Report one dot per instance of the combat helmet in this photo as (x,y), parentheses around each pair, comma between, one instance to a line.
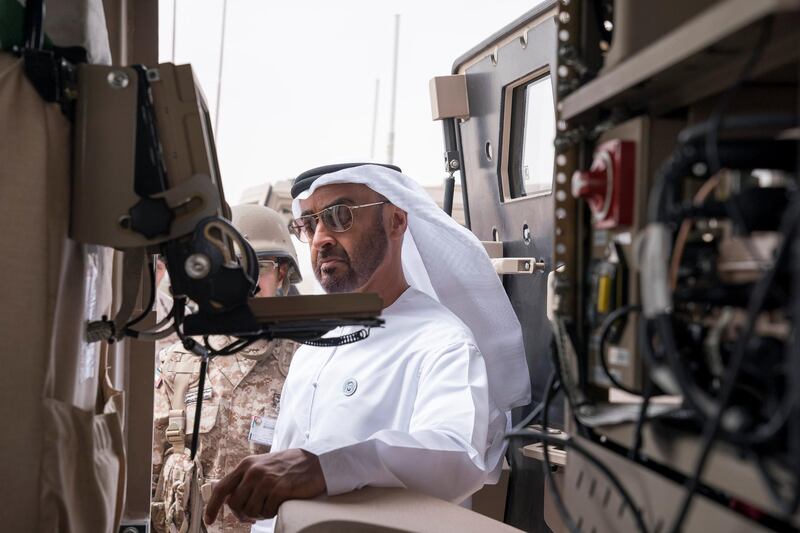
(268,234)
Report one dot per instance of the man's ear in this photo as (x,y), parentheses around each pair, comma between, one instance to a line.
(398,222)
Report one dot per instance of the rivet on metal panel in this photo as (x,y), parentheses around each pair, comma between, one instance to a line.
(699,169)
(561,160)
(197,266)
(564,17)
(563,36)
(493,56)
(563,71)
(153,75)
(489,151)
(526,234)
(118,79)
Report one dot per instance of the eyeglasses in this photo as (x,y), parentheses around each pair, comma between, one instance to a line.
(267,265)
(337,218)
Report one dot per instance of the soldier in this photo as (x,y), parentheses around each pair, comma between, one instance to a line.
(241,395)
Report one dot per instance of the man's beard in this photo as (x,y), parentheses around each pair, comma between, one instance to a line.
(351,274)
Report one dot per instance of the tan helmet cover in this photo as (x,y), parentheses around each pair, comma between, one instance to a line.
(268,234)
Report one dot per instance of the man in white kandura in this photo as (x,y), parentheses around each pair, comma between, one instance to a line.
(423,402)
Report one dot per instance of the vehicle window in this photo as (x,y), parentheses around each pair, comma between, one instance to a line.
(532,165)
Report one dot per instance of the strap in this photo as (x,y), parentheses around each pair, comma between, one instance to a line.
(176,430)
(132,266)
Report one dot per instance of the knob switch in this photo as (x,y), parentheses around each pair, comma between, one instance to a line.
(608,185)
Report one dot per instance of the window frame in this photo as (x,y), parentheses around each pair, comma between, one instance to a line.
(513,138)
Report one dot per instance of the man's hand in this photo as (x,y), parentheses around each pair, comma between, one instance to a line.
(261,483)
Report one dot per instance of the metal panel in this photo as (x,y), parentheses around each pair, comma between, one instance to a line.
(596,506)
(690,49)
(493,219)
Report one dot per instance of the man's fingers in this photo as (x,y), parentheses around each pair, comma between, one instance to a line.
(279,494)
(252,481)
(241,517)
(255,503)
(225,487)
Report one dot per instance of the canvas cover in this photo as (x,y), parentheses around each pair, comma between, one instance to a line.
(61,443)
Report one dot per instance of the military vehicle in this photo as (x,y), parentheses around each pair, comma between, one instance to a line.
(631,167)
(658,187)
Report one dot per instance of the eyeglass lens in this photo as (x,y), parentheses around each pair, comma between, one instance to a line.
(336,218)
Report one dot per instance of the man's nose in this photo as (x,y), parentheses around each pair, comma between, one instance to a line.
(322,236)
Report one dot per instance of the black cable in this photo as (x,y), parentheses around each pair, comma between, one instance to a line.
(134,333)
(536,411)
(589,456)
(547,467)
(201,385)
(534,414)
(647,395)
(151,299)
(773,487)
(34,24)
(328,342)
(788,228)
(232,348)
(793,364)
(546,439)
(191,345)
(600,338)
(738,122)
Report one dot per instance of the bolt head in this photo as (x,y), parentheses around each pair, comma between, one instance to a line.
(118,79)
(454,164)
(197,266)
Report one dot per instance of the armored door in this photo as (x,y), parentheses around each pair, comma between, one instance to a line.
(507,153)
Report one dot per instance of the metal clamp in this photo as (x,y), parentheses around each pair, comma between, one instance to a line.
(557,456)
(518,265)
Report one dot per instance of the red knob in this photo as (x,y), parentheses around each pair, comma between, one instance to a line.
(593,185)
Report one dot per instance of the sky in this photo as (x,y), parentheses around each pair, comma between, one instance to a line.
(298,81)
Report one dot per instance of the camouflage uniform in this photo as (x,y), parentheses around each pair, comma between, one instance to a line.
(239,390)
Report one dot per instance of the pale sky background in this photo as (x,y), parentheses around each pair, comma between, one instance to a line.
(298,82)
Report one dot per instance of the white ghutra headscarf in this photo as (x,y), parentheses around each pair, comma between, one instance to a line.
(446,261)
